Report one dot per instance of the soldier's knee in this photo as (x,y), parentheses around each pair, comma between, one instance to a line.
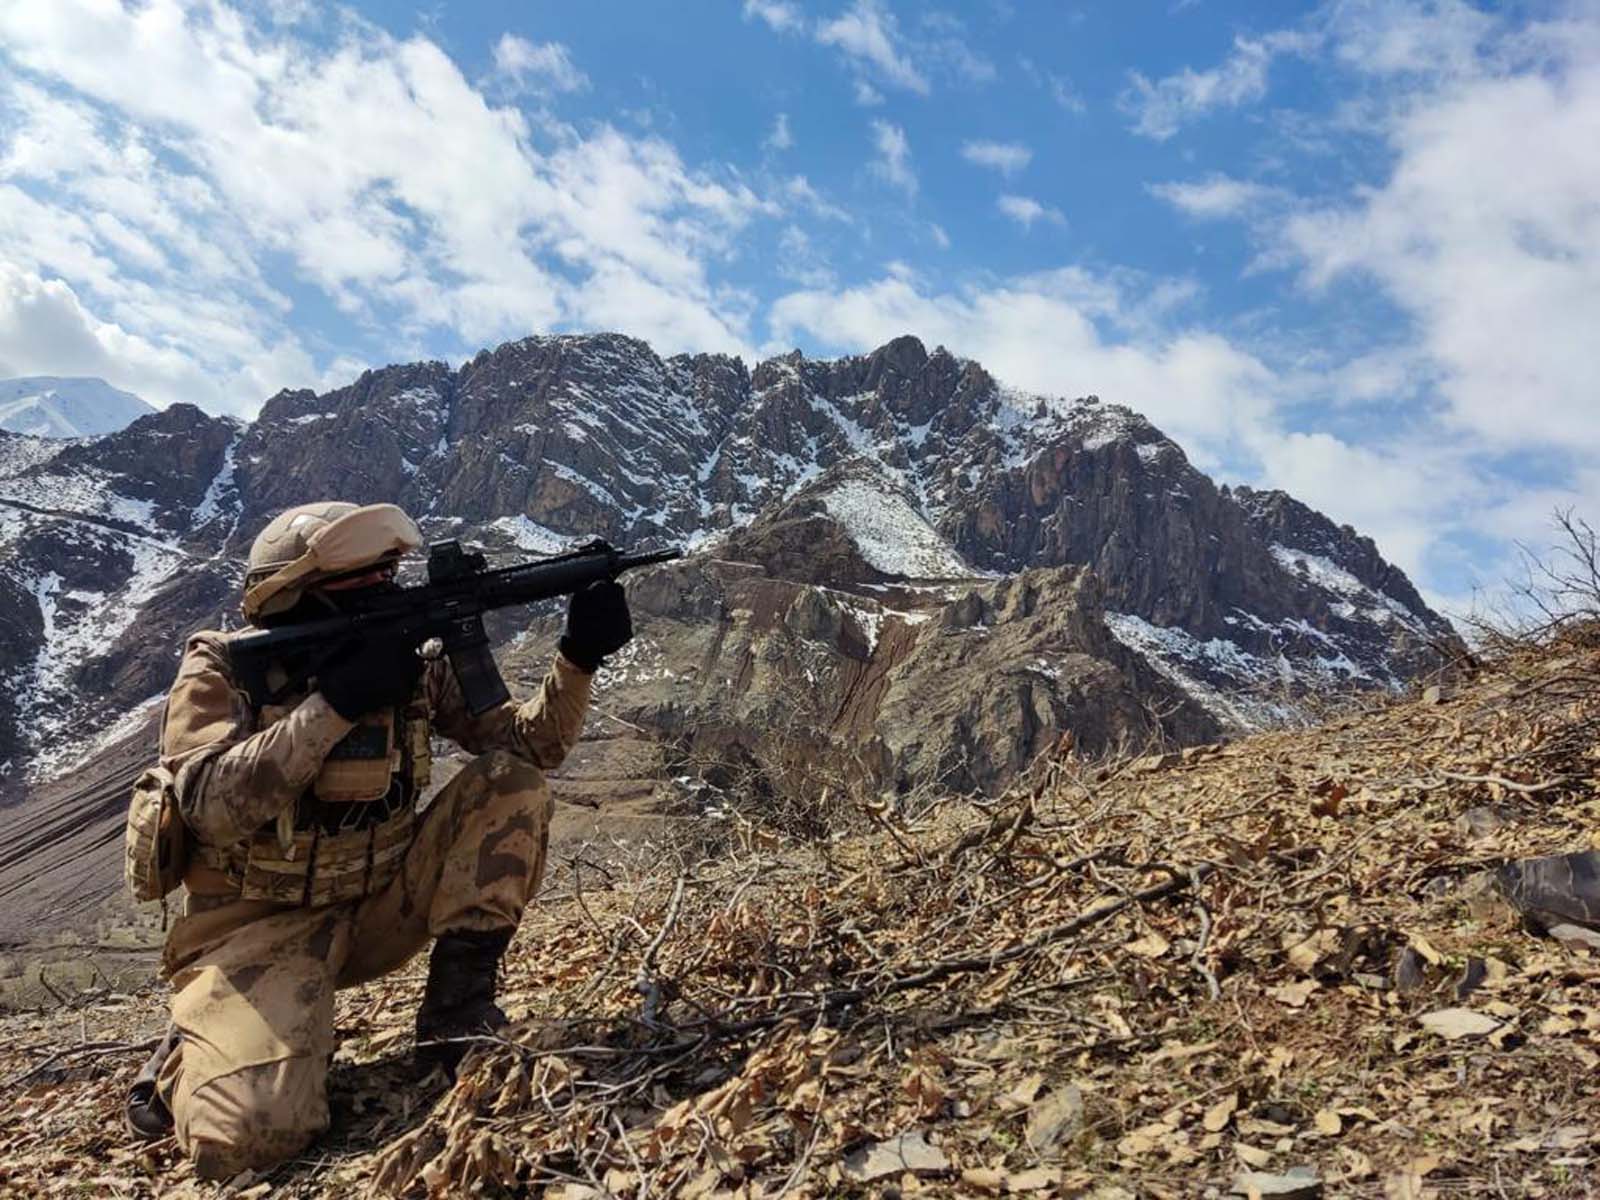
(506,774)
(253,1118)
(509,773)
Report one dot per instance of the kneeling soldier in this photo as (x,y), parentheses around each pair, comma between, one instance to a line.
(309,868)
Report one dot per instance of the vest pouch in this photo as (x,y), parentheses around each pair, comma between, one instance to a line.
(155,843)
(419,735)
(327,868)
(358,767)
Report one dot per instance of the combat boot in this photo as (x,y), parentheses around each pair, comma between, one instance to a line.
(459,999)
(145,1113)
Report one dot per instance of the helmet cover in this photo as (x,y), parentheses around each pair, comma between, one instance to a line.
(309,543)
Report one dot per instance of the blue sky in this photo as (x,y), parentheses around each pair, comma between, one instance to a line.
(1348,248)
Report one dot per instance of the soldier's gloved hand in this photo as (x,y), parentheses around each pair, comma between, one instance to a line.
(374,673)
(598,624)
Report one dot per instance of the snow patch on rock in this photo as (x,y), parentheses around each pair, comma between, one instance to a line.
(1329,576)
(892,536)
(1186,660)
(530,535)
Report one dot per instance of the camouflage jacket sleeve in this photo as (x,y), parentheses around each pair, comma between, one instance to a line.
(541,729)
(230,780)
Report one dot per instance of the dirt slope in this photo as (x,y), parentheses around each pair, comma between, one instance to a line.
(61,853)
(1123,979)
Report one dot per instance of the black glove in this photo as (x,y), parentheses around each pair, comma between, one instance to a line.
(372,674)
(598,624)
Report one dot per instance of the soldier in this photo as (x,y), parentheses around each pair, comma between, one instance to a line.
(309,868)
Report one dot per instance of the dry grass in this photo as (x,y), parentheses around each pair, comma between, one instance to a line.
(1131,978)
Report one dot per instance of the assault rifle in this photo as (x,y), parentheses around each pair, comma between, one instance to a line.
(449,607)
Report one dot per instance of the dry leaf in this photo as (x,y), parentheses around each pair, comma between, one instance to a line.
(1022,1095)
(1328,1122)
(1250,1156)
(924,1091)
(1294,994)
(907,1153)
(985,1179)
(1568,1137)
(1177,1051)
(1298,1183)
(1037,1180)
(1356,1164)
(1151,945)
(1053,1119)
(1305,953)
(1426,949)
(1454,1023)
(1219,1114)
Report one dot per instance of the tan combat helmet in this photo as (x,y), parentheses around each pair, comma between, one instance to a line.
(313,542)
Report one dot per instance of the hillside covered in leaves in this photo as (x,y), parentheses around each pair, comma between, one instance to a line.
(1287,966)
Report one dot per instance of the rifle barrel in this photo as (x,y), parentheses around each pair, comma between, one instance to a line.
(649,558)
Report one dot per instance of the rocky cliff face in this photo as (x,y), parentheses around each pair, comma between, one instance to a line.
(875,688)
(930,559)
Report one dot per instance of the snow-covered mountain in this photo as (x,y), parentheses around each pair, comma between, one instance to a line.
(901,487)
(52,407)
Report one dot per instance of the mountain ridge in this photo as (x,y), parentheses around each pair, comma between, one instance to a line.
(554,438)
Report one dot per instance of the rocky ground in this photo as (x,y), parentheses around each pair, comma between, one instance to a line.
(1279,965)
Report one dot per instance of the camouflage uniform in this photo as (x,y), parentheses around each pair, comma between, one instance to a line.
(254,978)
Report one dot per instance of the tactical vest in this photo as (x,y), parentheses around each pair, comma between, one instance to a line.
(346,836)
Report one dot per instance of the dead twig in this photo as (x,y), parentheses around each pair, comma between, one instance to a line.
(1511,785)
(645,983)
(87,1052)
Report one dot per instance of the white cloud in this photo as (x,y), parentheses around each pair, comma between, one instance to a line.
(866,95)
(1487,235)
(1025,210)
(1162,107)
(1403,492)
(1482,228)
(1059,87)
(1218,196)
(46,330)
(1006,157)
(957,57)
(1383,38)
(868,34)
(798,190)
(1065,95)
(800,261)
(941,239)
(780,16)
(537,66)
(184,172)
(893,164)
(780,138)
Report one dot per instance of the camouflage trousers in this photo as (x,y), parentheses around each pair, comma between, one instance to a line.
(254,982)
